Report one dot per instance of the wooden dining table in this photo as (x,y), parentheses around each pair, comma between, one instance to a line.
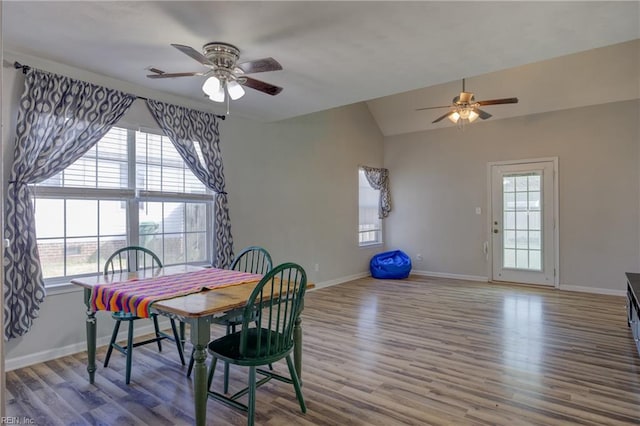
(197,309)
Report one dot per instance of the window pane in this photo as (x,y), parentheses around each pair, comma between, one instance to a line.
(509,220)
(196,219)
(197,247)
(104,165)
(51,257)
(508,184)
(82,218)
(535,261)
(521,183)
(113,217)
(173,217)
(522,220)
(509,201)
(161,168)
(509,258)
(81,256)
(534,220)
(174,249)
(509,239)
(534,200)
(534,183)
(49,217)
(534,240)
(522,259)
(521,201)
(522,240)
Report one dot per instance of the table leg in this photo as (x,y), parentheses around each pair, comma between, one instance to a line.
(91,336)
(200,335)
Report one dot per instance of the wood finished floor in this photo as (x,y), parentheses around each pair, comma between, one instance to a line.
(420,351)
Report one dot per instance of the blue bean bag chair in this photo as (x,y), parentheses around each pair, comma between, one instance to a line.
(390,265)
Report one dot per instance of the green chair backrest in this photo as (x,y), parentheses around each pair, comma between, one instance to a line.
(253,259)
(130,259)
(267,332)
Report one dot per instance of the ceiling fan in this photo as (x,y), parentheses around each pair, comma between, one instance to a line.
(464,108)
(225,75)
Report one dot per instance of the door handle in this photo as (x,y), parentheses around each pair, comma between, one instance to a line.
(495,231)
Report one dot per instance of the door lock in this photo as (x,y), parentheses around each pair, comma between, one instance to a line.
(495,231)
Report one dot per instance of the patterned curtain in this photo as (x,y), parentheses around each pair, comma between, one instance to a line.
(379,180)
(59,119)
(185,126)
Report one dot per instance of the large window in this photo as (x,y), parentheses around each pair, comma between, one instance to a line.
(131,188)
(369,224)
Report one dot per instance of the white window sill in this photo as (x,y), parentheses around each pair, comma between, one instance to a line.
(371,245)
(62,288)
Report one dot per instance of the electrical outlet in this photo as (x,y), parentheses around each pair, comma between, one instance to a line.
(316,267)
(419,257)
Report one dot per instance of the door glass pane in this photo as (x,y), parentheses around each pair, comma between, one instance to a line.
(534,259)
(509,258)
(509,220)
(522,206)
(522,259)
(509,239)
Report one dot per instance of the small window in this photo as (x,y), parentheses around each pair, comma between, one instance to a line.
(369,224)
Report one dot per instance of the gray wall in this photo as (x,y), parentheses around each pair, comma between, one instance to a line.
(439,177)
(293,188)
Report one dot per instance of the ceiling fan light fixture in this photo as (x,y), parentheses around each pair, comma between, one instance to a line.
(211,85)
(235,90)
(454,117)
(473,116)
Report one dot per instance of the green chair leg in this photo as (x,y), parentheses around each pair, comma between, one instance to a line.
(114,335)
(296,384)
(226,377)
(191,362)
(212,370)
(252,396)
(129,352)
(157,329)
(176,337)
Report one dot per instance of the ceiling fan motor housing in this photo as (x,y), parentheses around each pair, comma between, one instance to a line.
(223,55)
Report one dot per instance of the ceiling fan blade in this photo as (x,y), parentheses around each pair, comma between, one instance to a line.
(260,65)
(175,74)
(499,101)
(442,117)
(434,107)
(483,114)
(193,53)
(261,86)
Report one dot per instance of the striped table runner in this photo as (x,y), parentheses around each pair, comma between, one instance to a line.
(135,296)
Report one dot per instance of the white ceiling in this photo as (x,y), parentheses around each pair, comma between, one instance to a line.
(333,53)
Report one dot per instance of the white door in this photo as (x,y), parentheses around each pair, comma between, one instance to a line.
(523,222)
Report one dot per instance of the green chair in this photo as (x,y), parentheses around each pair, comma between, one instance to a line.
(266,335)
(129,259)
(255,260)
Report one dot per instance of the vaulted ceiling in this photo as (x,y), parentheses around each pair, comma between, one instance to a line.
(333,53)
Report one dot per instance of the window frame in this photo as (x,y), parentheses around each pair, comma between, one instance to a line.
(133,198)
(379,229)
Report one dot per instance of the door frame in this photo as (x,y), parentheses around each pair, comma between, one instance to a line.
(556,214)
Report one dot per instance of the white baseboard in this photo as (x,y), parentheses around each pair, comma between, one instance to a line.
(340,280)
(49,354)
(452,276)
(594,290)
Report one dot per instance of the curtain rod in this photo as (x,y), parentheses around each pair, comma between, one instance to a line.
(17,65)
